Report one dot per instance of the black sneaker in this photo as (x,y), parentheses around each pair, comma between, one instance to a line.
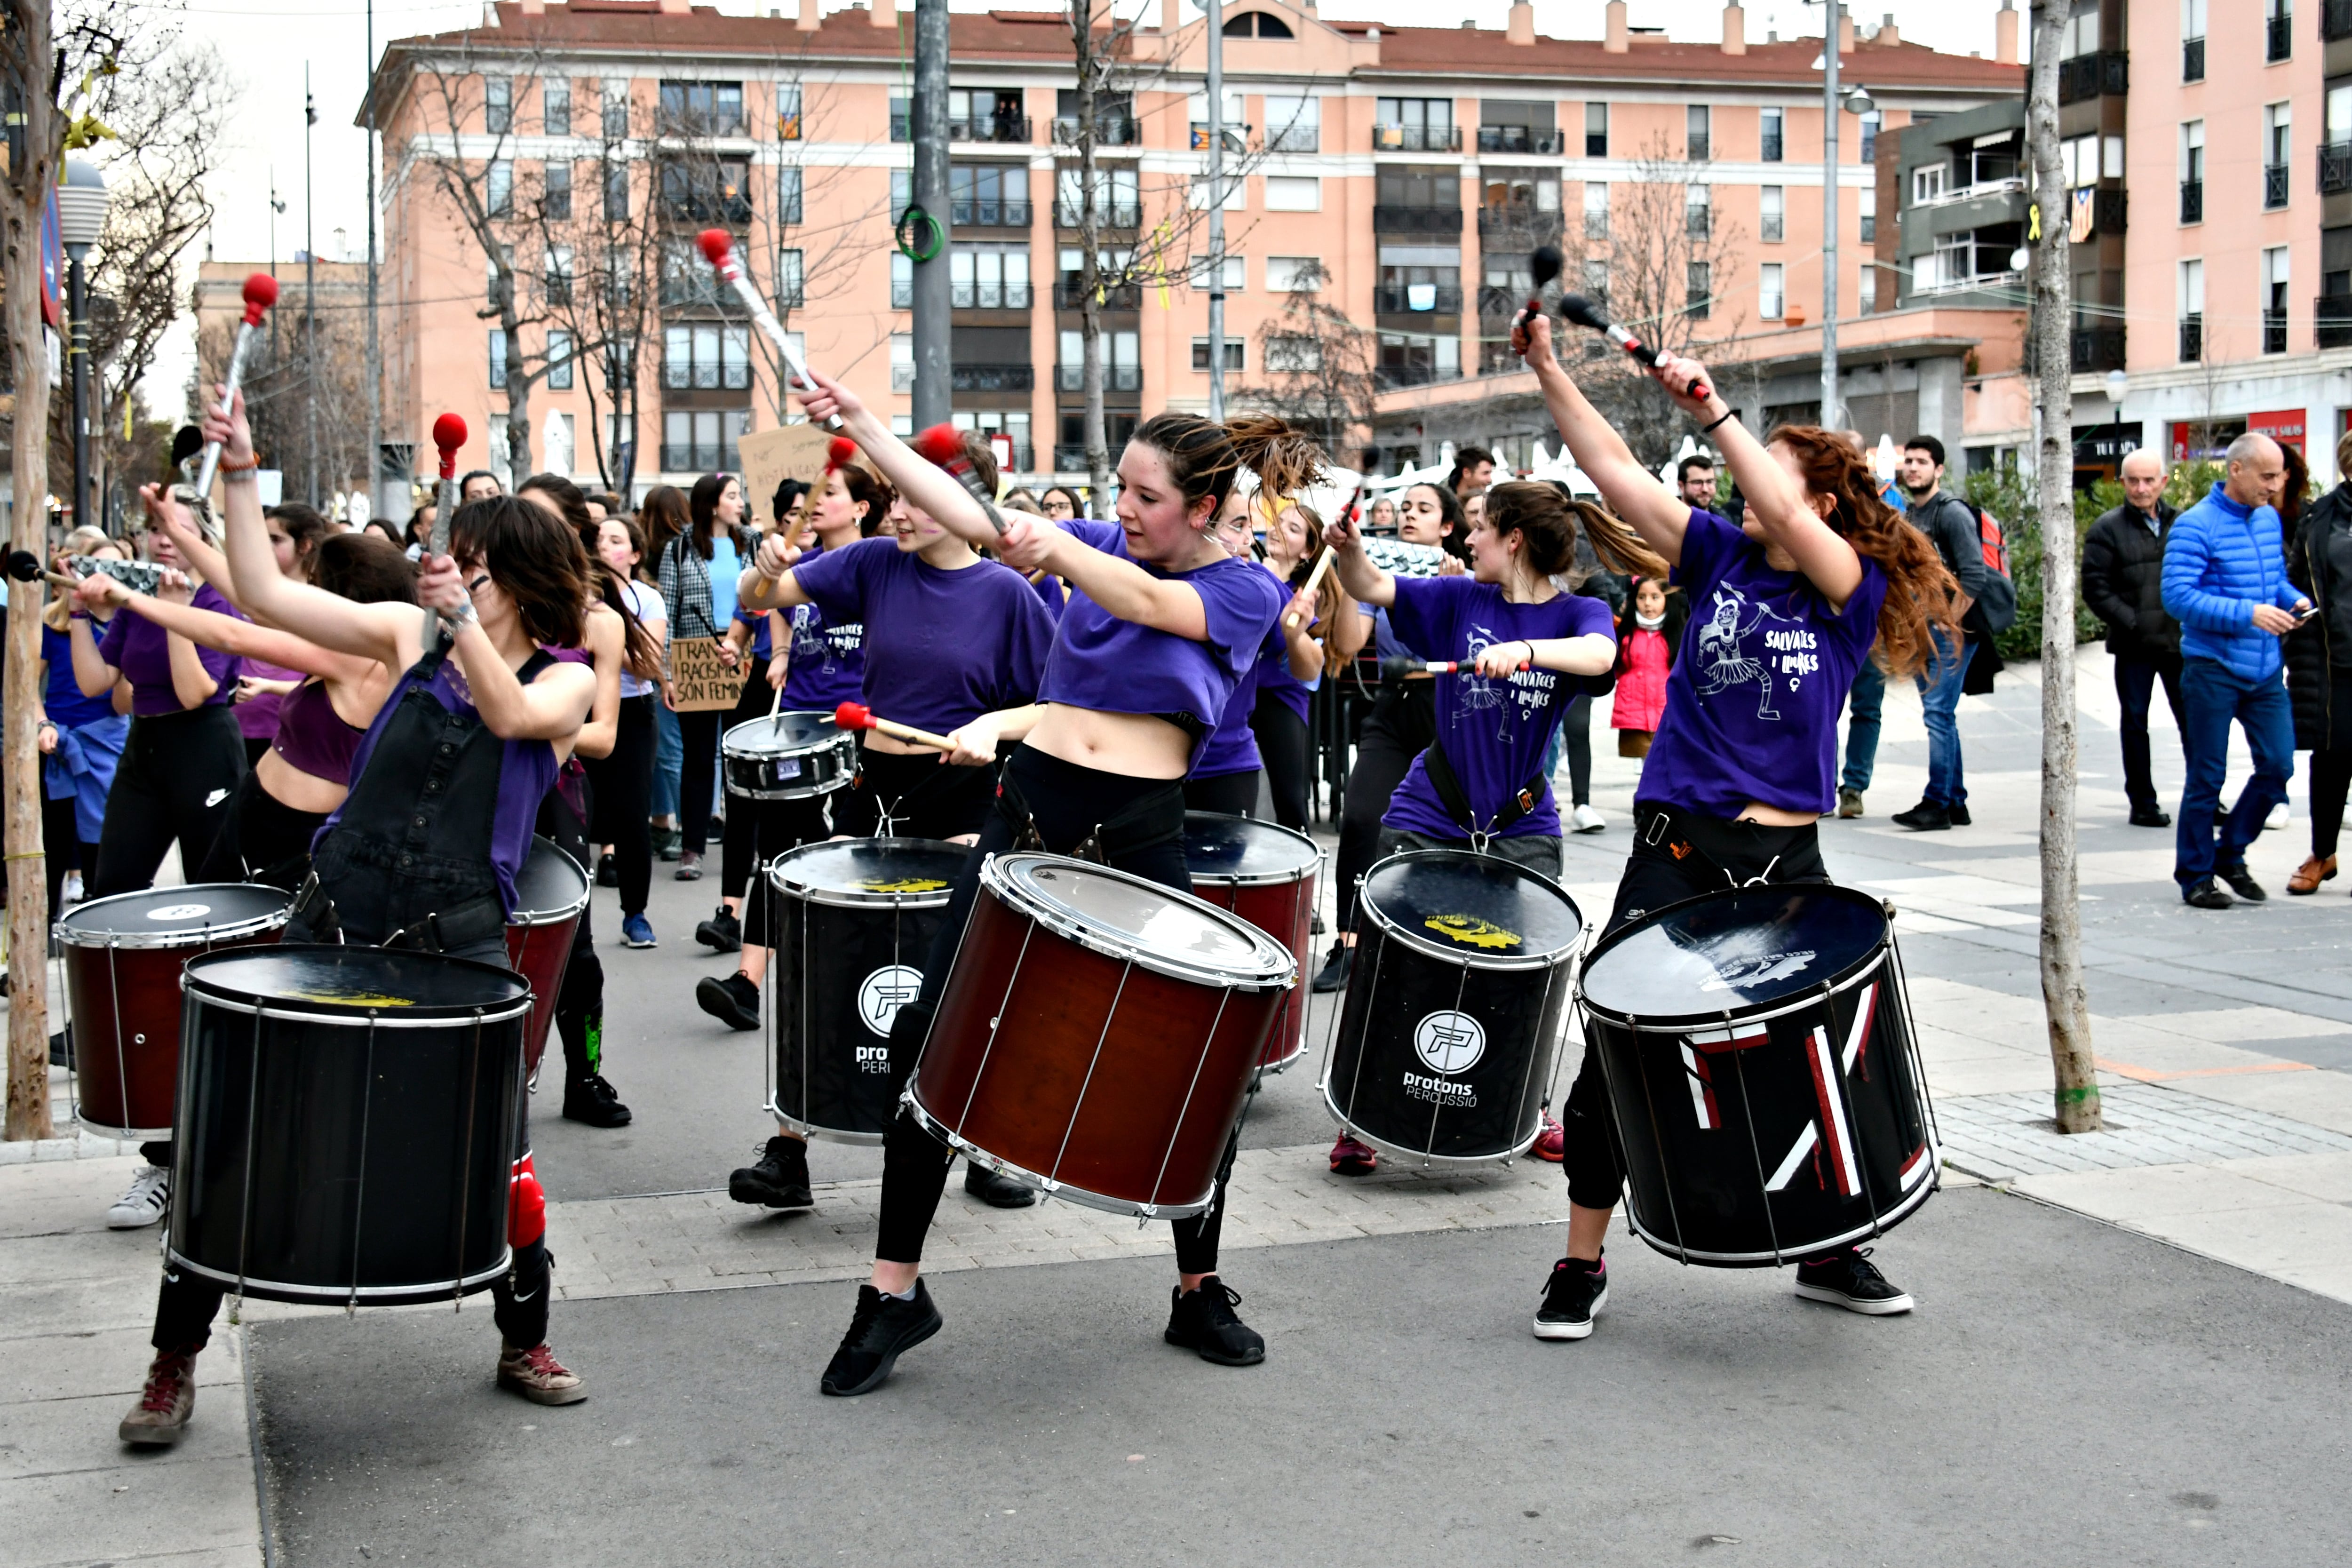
(882,1329)
(722,933)
(1573,1297)
(1848,1279)
(608,872)
(995,1189)
(2150,816)
(734,1000)
(1202,1322)
(1928,816)
(2243,885)
(1958,815)
(780,1179)
(1333,975)
(591,1099)
(2207,895)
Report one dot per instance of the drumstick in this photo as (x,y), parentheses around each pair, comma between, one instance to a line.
(720,247)
(1576,308)
(1412,666)
(260,293)
(448,435)
(857,716)
(25,567)
(1314,580)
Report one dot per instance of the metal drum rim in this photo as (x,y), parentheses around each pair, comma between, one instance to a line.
(522,918)
(198,936)
(1261,879)
(834,737)
(336,1295)
(234,1000)
(1927,1187)
(1277,966)
(1454,954)
(819,1130)
(1085,1197)
(1831,985)
(1407,1153)
(838,899)
(120,1134)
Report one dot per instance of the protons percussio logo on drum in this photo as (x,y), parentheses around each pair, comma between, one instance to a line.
(879,997)
(1447,1042)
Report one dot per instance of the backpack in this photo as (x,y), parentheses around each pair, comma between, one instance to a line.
(1999,600)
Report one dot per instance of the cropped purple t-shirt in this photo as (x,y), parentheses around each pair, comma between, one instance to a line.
(1119,666)
(947,645)
(1231,747)
(137,646)
(1753,699)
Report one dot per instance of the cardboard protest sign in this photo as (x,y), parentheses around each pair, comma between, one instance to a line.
(705,682)
(771,456)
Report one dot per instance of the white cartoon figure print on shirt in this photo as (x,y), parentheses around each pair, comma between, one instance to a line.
(1741,642)
(1524,694)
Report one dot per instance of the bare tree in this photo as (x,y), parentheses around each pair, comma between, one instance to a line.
(1316,367)
(286,383)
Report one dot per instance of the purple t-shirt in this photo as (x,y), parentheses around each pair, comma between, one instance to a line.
(135,646)
(257,720)
(1275,680)
(951,645)
(1495,732)
(828,659)
(758,621)
(1752,700)
(1231,747)
(1113,666)
(1049,589)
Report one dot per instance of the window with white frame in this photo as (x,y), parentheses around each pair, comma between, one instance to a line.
(1771,213)
(555,106)
(791,281)
(2192,152)
(1292,194)
(902,362)
(988,277)
(1770,294)
(1234,354)
(1293,353)
(1295,274)
(498,104)
(1927,182)
(2275,300)
(497,360)
(616,113)
(2080,34)
(1293,124)
(1772,124)
(1866,213)
(1122,360)
(706,356)
(1698,211)
(498,188)
(1236,273)
(788,112)
(902,281)
(788,195)
(1865,299)
(559,360)
(1596,210)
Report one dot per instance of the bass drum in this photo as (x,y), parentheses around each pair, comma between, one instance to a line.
(1266,874)
(855,918)
(122,960)
(1450,1033)
(1769,1096)
(551,895)
(348,1123)
(788,756)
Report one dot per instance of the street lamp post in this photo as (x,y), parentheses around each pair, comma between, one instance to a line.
(81,219)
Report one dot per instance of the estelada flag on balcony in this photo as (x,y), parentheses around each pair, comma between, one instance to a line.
(2078,215)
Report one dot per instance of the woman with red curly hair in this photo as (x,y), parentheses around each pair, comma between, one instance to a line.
(1783,609)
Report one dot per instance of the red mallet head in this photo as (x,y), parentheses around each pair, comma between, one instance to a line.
(941,443)
(260,293)
(448,435)
(853,715)
(720,246)
(838,452)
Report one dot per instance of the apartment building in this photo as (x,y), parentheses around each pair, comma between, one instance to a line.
(1404,175)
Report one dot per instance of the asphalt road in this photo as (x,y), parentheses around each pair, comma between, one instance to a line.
(2068,1392)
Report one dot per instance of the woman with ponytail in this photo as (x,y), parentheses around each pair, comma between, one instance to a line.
(1783,609)
(1162,626)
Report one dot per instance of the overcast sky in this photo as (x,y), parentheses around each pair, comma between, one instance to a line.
(270,43)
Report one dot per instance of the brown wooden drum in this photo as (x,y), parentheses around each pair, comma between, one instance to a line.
(1099,1034)
(123,958)
(551,891)
(1266,874)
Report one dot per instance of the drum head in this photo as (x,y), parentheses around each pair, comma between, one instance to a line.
(1734,950)
(1130,918)
(175,917)
(355,981)
(781,734)
(550,887)
(1234,851)
(917,872)
(1474,909)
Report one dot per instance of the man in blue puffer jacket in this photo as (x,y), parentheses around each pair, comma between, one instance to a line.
(2225,582)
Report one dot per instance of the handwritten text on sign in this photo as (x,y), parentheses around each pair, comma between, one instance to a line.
(704,680)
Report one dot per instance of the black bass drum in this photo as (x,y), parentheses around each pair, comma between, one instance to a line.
(1450,1033)
(857,917)
(1768,1096)
(347,1124)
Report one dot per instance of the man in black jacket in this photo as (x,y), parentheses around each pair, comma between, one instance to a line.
(1951,525)
(2123,572)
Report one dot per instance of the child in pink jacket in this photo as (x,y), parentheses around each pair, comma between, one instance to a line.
(1646,635)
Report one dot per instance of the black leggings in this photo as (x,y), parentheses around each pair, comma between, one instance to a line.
(1141,824)
(1282,743)
(264,840)
(1398,729)
(178,775)
(1676,855)
(624,788)
(186,1304)
(922,795)
(1229,795)
(1575,739)
(757,832)
(61,850)
(698,770)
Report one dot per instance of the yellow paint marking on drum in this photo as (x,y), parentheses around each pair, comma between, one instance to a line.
(351,998)
(905,885)
(1472,930)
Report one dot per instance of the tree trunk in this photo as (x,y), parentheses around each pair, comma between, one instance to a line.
(518,388)
(28,895)
(2063,998)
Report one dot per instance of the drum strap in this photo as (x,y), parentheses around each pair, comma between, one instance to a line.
(1113,835)
(1457,800)
(479,918)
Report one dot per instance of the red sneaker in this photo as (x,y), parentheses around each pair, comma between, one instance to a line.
(538,1376)
(1351,1158)
(1551,1143)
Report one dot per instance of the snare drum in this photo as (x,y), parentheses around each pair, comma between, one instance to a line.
(1450,1033)
(1266,874)
(1770,1099)
(348,1123)
(551,892)
(1098,1033)
(788,756)
(123,958)
(856,917)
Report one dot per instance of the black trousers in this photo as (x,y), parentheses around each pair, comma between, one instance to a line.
(178,776)
(186,1304)
(1399,729)
(1282,743)
(1229,795)
(61,849)
(1140,825)
(921,796)
(624,792)
(1575,739)
(1676,855)
(264,840)
(579,1000)
(698,771)
(757,832)
(2136,681)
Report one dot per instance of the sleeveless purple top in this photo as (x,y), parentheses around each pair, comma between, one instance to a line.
(313,738)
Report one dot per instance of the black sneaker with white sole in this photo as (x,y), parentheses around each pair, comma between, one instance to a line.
(1204,1322)
(1573,1297)
(779,1181)
(1848,1279)
(882,1329)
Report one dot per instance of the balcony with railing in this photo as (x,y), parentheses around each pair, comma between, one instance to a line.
(2274,186)
(1072,459)
(2335,166)
(2192,201)
(2192,59)
(1537,225)
(1416,138)
(1390,219)
(1952,196)
(1517,139)
(2331,321)
(986,212)
(988,296)
(2105,73)
(1418,298)
(1107,215)
(2192,337)
(1007,127)
(2278,38)
(1115,378)
(1069,295)
(697,456)
(995,378)
(1110,130)
(2098,349)
(2335,20)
